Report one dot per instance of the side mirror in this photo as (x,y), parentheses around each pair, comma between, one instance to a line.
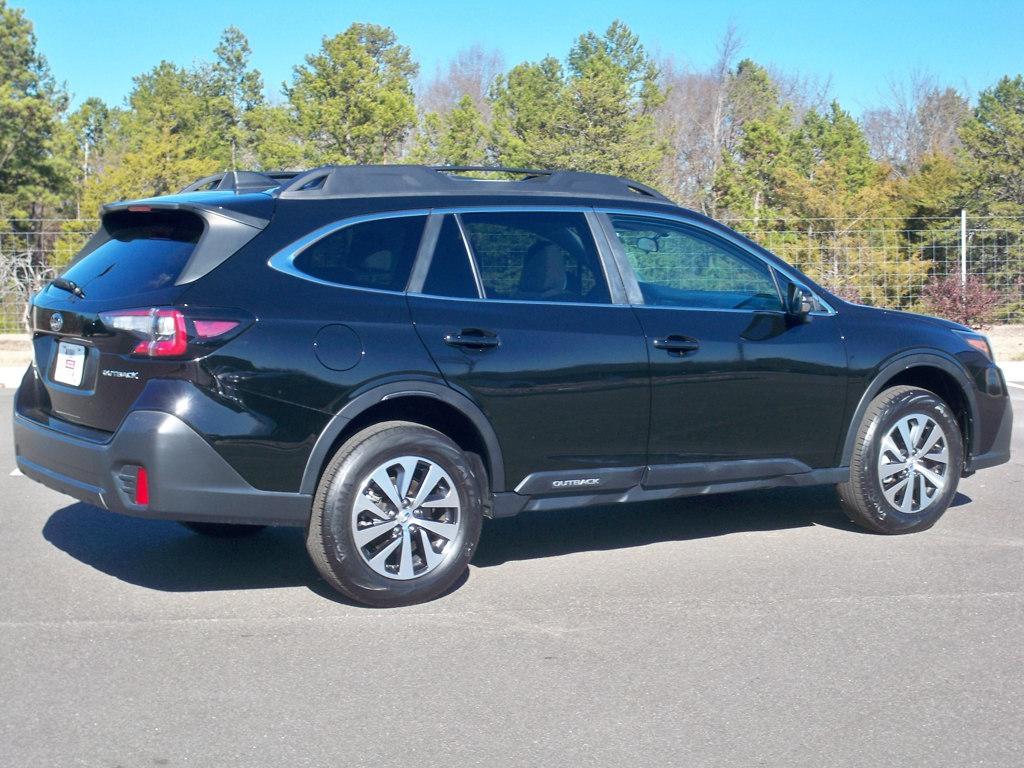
(647,244)
(799,301)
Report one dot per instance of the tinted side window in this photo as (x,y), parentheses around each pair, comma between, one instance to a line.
(450,273)
(536,256)
(373,254)
(684,267)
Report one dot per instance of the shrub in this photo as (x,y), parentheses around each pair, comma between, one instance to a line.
(973,303)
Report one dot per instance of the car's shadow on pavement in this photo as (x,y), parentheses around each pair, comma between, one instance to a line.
(165,556)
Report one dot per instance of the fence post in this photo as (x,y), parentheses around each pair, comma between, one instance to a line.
(963,246)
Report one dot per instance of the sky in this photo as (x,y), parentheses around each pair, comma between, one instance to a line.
(859,47)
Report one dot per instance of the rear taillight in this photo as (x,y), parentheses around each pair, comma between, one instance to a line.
(168,332)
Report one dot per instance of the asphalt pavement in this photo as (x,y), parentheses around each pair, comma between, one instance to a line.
(755,629)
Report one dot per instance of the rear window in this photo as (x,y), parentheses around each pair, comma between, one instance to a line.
(536,256)
(374,254)
(147,251)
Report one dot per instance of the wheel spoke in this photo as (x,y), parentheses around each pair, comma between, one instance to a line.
(888,470)
(383,481)
(450,499)
(430,482)
(365,504)
(405,570)
(444,530)
(377,561)
(890,493)
(364,536)
(933,437)
(907,503)
(408,466)
(432,557)
(889,446)
(907,435)
(935,479)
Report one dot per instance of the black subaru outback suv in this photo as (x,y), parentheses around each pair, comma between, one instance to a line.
(388,354)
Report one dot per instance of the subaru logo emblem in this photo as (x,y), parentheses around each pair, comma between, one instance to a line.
(56,321)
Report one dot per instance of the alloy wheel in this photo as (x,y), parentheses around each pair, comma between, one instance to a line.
(405,517)
(913,463)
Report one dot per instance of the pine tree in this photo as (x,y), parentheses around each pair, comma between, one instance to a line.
(353,100)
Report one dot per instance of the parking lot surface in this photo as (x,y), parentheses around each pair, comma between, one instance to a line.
(737,630)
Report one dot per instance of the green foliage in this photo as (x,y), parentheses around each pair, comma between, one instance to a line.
(32,172)
(353,100)
(595,115)
(232,91)
(993,149)
(792,170)
(458,137)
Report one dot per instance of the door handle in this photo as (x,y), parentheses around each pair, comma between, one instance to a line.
(472,338)
(677,345)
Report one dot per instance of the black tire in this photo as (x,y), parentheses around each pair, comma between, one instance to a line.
(862,497)
(330,541)
(223,530)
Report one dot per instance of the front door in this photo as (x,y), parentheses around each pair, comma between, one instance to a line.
(733,377)
(528,328)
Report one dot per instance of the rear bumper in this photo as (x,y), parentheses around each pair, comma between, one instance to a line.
(188,480)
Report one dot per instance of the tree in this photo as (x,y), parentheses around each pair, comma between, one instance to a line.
(751,177)
(86,138)
(455,137)
(353,100)
(233,91)
(594,115)
(993,149)
(32,173)
(470,73)
(920,120)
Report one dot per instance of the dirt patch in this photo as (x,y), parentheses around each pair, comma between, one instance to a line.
(15,349)
(1007,341)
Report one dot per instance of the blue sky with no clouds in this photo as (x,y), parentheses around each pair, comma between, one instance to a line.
(96,47)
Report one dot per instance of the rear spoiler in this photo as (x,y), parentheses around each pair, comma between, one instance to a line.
(225,231)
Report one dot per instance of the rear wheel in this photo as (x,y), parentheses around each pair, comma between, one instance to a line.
(396,516)
(223,530)
(906,462)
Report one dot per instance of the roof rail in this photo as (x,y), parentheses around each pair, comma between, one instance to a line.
(491,169)
(240,181)
(341,181)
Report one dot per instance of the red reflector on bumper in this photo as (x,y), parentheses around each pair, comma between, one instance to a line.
(142,487)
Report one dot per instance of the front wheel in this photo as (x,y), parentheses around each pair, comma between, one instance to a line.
(396,516)
(906,462)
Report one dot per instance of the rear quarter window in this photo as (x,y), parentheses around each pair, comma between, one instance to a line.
(372,254)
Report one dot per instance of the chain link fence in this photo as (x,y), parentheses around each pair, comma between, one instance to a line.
(881,262)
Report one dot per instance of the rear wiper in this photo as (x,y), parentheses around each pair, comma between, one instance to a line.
(68,285)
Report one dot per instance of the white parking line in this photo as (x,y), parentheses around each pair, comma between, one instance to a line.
(16,473)
(1012,384)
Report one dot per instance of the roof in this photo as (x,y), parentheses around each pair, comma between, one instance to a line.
(360,181)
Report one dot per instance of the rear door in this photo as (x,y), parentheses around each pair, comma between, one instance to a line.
(533,331)
(733,377)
